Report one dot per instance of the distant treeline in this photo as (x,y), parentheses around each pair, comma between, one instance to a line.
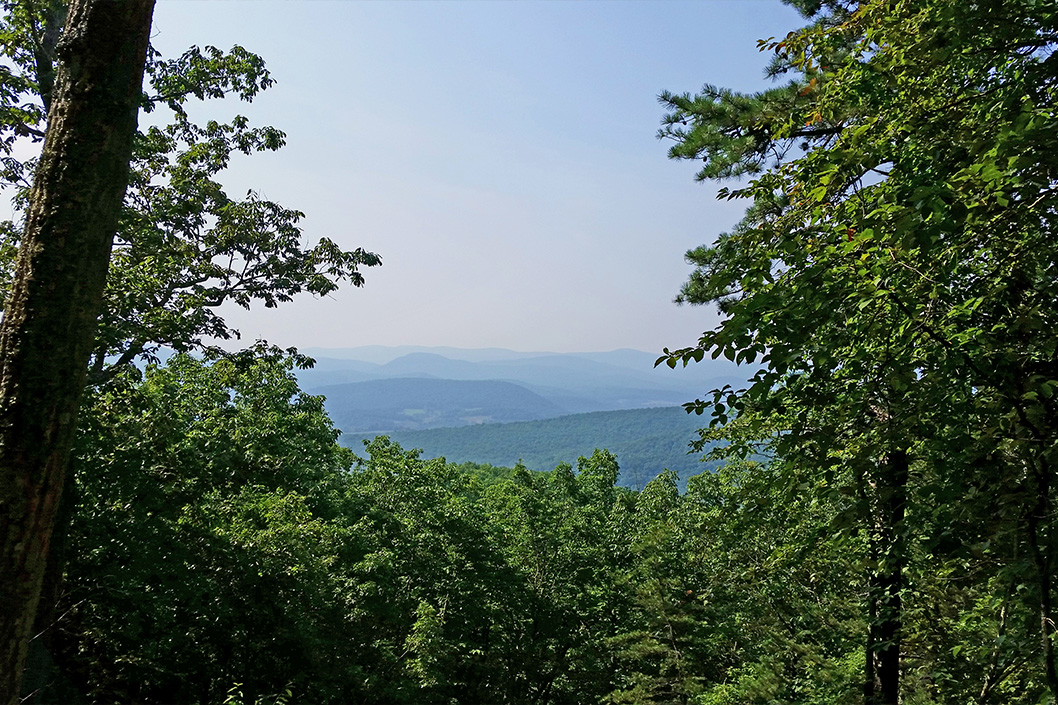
(646,441)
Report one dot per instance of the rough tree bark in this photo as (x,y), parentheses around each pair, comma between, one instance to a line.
(886,608)
(49,323)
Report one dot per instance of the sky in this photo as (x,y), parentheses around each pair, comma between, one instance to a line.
(501,158)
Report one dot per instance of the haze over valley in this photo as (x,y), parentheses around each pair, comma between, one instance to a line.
(503,407)
(412,388)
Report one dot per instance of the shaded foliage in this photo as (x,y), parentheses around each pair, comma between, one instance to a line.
(894,273)
(223,537)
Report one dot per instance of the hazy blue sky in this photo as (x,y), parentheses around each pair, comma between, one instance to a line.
(500,156)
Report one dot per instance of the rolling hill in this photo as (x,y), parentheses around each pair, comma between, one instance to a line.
(570,383)
(412,403)
(646,441)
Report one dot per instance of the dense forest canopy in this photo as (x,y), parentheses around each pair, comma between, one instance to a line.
(223,538)
(882,527)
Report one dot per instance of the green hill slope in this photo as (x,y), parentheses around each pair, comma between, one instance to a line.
(410,403)
(646,441)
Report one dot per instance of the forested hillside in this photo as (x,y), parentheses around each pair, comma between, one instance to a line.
(412,403)
(226,549)
(645,441)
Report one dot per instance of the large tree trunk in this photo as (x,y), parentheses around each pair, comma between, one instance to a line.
(1040,547)
(887,582)
(49,324)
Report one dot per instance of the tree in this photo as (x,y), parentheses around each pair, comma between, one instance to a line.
(49,320)
(567,534)
(215,540)
(184,247)
(894,275)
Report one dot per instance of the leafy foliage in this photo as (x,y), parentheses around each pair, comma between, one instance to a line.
(892,274)
(185,247)
(209,497)
(223,537)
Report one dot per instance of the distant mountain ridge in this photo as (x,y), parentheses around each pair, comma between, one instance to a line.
(624,358)
(557,383)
